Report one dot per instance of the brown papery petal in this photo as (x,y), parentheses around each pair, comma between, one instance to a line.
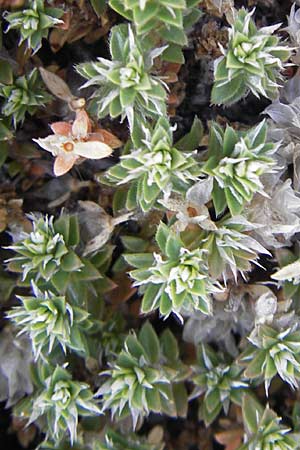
(62,128)
(56,85)
(92,149)
(64,163)
(82,124)
(106,137)
(57,38)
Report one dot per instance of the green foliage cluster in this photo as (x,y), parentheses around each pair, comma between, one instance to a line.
(154,167)
(175,280)
(145,377)
(47,256)
(115,441)
(34,22)
(58,321)
(50,320)
(264,430)
(60,400)
(161,21)
(22,95)
(126,86)
(220,381)
(236,164)
(273,352)
(230,249)
(251,63)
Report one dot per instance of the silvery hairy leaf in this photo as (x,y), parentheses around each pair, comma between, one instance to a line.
(15,359)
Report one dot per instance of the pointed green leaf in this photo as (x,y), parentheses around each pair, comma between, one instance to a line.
(150,299)
(252,412)
(150,342)
(139,260)
(162,236)
(192,139)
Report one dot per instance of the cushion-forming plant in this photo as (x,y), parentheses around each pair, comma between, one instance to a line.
(219,381)
(161,20)
(145,377)
(264,430)
(176,280)
(236,161)
(124,85)
(61,400)
(251,63)
(273,352)
(50,320)
(23,95)
(154,168)
(34,22)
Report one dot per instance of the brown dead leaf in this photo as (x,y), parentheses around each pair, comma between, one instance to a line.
(11,212)
(265,3)
(156,435)
(66,18)
(11,3)
(231,439)
(124,290)
(173,99)
(80,22)
(218,7)
(172,67)
(22,56)
(135,308)
(58,37)
(176,96)
(56,85)
(208,40)
(25,434)
(96,34)
(108,138)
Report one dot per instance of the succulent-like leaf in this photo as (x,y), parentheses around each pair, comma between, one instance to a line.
(154,167)
(273,352)
(126,87)
(236,166)
(219,380)
(177,280)
(34,22)
(61,401)
(263,428)
(23,95)
(141,378)
(251,63)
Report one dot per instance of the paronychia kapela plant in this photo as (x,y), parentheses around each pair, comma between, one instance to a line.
(236,162)
(124,85)
(34,22)
(24,94)
(146,376)
(175,280)
(154,168)
(251,63)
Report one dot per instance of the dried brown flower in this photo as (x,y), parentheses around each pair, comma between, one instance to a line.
(210,36)
(11,213)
